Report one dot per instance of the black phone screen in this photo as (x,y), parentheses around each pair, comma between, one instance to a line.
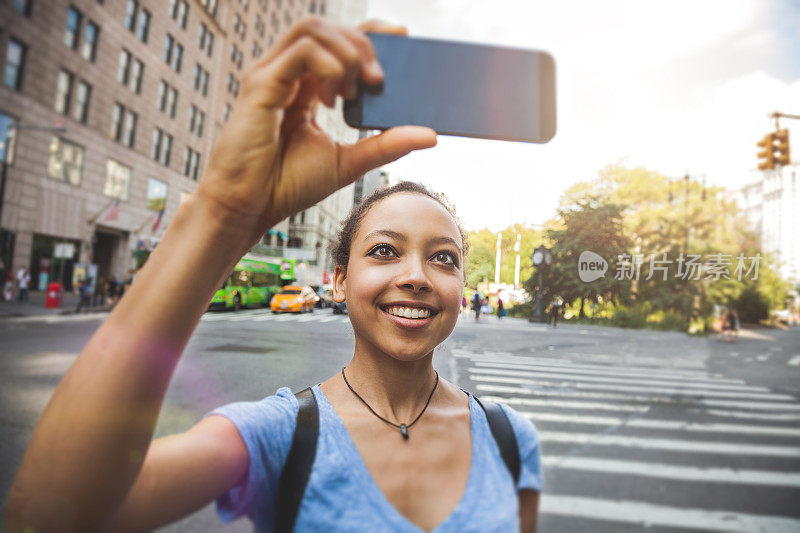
(460,89)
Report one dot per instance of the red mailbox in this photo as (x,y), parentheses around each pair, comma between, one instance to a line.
(55,295)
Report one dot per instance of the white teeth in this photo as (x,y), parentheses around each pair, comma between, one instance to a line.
(409,312)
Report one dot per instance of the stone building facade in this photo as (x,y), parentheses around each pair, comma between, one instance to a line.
(108,111)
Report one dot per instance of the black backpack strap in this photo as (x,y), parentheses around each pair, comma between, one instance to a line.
(297,468)
(504,435)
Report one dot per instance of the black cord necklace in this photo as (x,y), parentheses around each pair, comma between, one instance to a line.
(402,427)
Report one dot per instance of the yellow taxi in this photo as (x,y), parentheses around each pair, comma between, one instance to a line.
(293,299)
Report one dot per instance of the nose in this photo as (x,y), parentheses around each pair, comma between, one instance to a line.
(413,276)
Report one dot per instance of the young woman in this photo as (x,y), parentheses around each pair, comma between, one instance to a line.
(92,464)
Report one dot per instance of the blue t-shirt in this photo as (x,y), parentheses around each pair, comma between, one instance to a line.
(341,494)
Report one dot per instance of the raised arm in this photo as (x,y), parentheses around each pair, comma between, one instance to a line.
(270,161)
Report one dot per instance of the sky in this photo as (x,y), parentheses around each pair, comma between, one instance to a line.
(675,87)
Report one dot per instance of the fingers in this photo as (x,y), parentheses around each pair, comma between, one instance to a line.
(372,152)
(381,26)
(276,84)
(352,49)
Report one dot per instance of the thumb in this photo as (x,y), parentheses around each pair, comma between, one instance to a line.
(372,152)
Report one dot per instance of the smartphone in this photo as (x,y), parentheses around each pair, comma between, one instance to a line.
(462,89)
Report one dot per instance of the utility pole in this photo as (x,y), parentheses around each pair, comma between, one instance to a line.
(516,266)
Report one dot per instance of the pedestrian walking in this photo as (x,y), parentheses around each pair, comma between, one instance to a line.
(8,287)
(501,310)
(84,292)
(477,302)
(23,280)
(553,312)
(383,445)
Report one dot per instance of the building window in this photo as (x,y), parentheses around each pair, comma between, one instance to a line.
(63,92)
(162,147)
(144,25)
(23,6)
(116,122)
(191,163)
(130,14)
(137,74)
(173,53)
(196,120)
(73,28)
(129,129)
(66,161)
(179,10)
(177,58)
(156,194)
(123,70)
(118,180)
(204,90)
(7,138)
(82,98)
(90,35)
(123,125)
(169,44)
(171,103)
(205,40)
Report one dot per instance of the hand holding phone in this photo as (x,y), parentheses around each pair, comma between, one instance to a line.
(456,88)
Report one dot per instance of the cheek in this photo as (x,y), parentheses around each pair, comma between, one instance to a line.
(370,282)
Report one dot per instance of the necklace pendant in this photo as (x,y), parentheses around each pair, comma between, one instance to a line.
(404,431)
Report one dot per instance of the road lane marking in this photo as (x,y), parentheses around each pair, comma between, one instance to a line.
(672,445)
(551,374)
(329,318)
(249,316)
(794,361)
(770,406)
(604,371)
(286,317)
(629,388)
(668,425)
(567,363)
(265,317)
(676,472)
(647,515)
(566,404)
(775,417)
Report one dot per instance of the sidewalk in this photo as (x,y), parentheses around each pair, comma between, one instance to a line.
(35,306)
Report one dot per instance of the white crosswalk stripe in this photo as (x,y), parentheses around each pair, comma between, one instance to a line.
(602,420)
(647,515)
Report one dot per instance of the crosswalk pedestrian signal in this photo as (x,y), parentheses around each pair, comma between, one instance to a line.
(781,147)
(766,157)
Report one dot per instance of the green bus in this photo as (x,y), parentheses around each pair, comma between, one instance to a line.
(253,282)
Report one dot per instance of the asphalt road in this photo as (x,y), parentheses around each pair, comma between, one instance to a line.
(640,430)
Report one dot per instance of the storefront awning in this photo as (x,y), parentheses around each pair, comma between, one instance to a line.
(283,236)
(271,231)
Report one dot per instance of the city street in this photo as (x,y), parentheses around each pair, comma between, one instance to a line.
(639,429)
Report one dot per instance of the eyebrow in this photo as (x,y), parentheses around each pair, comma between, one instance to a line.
(401,237)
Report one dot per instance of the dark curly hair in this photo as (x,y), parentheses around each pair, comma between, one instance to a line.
(340,247)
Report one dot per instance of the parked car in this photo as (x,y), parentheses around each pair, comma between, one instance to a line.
(339,308)
(293,299)
(324,298)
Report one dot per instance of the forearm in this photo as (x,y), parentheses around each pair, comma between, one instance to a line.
(88,446)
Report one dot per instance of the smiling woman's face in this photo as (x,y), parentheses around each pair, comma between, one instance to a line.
(404,278)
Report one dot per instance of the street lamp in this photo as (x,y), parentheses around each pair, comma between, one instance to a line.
(541,259)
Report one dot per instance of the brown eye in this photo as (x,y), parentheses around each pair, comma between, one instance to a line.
(446,258)
(383,250)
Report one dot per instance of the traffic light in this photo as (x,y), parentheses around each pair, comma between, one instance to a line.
(766,157)
(781,144)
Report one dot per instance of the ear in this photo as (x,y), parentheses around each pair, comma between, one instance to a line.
(339,277)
